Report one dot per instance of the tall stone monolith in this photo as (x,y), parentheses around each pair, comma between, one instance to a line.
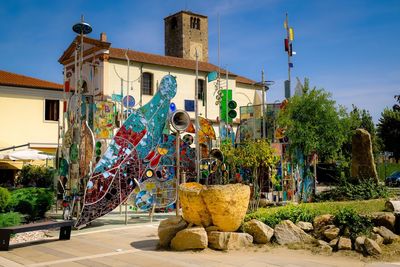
(362,160)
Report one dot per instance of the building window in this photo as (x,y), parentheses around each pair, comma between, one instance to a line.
(51,110)
(147,83)
(195,23)
(200,89)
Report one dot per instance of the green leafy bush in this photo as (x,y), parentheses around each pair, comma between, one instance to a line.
(308,211)
(10,219)
(37,176)
(32,202)
(4,198)
(295,213)
(357,224)
(364,190)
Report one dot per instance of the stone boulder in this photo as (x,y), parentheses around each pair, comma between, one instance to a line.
(377,238)
(260,232)
(388,236)
(372,247)
(221,205)
(286,232)
(344,243)
(212,228)
(386,219)
(359,244)
(305,226)
(194,209)
(362,158)
(265,203)
(168,228)
(333,243)
(332,233)
(322,220)
(190,238)
(324,247)
(229,240)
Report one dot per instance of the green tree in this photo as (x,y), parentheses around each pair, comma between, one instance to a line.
(389,130)
(254,155)
(314,124)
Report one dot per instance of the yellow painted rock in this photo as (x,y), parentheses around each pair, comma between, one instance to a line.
(193,207)
(227,205)
(221,205)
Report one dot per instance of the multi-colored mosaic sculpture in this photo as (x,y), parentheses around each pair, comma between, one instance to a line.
(138,152)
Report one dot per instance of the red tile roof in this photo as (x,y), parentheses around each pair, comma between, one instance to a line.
(118,53)
(17,80)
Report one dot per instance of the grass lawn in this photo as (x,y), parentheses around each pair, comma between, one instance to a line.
(307,211)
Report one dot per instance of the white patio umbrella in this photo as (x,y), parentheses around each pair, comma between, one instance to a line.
(26,154)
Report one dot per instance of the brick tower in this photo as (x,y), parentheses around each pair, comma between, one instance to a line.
(184,33)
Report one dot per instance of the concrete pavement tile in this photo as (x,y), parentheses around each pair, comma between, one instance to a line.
(113,261)
(67,264)
(152,259)
(28,254)
(76,259)
(8,263)
(9,255)
(383,264)
(59,253)
(92,263)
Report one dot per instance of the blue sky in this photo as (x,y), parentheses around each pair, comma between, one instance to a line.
(348,47)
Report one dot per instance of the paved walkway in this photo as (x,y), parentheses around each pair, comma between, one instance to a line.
(135,245)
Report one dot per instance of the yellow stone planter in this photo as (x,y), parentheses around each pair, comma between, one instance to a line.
(221,205)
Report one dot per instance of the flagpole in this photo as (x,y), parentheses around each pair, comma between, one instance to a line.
(196,97)
(288,37)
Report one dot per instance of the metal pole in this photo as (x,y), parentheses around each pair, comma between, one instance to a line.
(288,37)
(178,163)
(127,86)
(196,110)
(263,104)
(226,102)
(122,102)
(126,213)
(141,85)
(219,77)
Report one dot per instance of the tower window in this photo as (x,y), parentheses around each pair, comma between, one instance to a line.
(51,110)
(200,89)
(194,23)
(174,23)
(147,83)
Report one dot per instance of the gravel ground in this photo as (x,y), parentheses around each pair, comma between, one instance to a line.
(31,236)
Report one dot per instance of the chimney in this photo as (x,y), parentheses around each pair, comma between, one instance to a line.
(103,37)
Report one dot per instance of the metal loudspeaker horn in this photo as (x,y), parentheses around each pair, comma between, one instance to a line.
(217,154)
(180,120)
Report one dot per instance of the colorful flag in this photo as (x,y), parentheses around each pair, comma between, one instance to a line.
(286,45)
(290,65)
(211,76)
(285,24)
(291,34)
